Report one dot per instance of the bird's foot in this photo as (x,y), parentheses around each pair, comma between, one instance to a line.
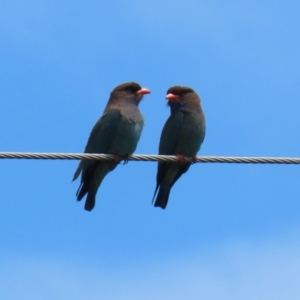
(194,159)
(181,158)
(126,159)
(119,158)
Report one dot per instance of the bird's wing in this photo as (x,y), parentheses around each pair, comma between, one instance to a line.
(170,133)
(104,132)
(101,137)
(167,144)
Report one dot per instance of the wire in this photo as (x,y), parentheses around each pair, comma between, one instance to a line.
(146,157)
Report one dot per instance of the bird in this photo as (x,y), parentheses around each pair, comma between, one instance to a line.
(117,132)
(182,135)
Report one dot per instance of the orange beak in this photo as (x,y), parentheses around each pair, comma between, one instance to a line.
(172,97)
(143,91)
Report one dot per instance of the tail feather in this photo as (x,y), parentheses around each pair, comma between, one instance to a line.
(82,190)
(156,188)
(90,201)
(162,197)
(91,180)
(87,177)
(78,171)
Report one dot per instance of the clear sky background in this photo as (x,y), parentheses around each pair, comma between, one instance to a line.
(229,231)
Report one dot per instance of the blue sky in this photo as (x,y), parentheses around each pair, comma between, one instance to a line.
(229,231)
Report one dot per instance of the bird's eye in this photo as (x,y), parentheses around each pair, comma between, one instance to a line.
(184,93)
(130,90)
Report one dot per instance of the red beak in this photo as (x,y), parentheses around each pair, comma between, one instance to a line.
(172,97)
(143,91)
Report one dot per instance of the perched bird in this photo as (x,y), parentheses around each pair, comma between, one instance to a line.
(117,132)
(182,135)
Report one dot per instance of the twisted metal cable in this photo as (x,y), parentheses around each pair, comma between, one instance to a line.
(151,157)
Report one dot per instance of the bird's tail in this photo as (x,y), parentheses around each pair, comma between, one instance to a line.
(85,182)
(91,195)
(162,197)
(90,201)
(91,181)
(88,188)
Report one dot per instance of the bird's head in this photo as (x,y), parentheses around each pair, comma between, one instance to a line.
(181,97)
(130,91)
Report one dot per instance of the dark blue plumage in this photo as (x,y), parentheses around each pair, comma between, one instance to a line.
(117,132)
(182,135)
